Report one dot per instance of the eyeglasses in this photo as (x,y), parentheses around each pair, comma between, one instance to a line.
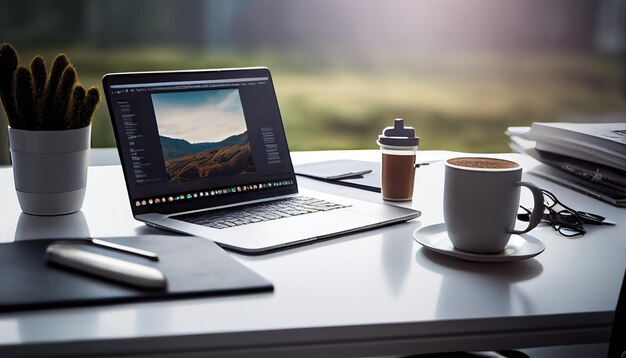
(567,221)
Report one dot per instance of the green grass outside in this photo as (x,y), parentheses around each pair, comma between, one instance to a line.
(455,102)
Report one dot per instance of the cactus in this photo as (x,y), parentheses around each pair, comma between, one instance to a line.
(78,98)
(92,98)
(38,69)
(47,111)
(63,97)
(8,64)
(24,100)
(35,101)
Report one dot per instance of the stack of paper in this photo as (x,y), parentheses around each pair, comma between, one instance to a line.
(590,157)
(600,143)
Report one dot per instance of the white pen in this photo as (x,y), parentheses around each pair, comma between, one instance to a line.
(130,250)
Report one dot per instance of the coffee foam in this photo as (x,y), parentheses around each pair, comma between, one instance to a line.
(483,163)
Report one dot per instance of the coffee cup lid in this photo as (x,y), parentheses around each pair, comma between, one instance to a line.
(398,135)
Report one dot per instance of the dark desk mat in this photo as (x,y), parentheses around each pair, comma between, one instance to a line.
(193,267)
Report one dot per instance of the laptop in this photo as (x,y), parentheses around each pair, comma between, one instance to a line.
(204,153)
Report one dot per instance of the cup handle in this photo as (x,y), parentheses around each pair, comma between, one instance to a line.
(537,213)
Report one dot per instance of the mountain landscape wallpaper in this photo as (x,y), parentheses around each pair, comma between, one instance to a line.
(203,134)
(185,161)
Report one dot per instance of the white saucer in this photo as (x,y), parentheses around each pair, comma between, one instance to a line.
(520,247)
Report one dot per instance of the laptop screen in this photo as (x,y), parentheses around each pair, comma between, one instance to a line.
(199,139)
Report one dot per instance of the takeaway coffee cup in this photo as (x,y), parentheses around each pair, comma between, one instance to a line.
(480,203)
(398,145)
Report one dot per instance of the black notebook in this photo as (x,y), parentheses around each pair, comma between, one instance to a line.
(193,267)
(354,173)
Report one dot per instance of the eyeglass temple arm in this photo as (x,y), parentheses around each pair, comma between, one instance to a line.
(537,213)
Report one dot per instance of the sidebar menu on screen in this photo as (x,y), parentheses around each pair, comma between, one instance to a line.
(145,170)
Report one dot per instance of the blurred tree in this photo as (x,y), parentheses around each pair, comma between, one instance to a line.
(313,26)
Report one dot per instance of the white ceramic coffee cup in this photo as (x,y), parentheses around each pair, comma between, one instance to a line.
(481,199)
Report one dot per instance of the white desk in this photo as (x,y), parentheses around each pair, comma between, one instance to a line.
(373,293)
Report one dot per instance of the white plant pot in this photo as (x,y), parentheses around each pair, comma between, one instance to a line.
(50,169)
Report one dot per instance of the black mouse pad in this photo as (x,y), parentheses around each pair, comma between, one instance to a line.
(192,266)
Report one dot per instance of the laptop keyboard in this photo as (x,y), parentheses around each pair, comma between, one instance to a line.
(255,213)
